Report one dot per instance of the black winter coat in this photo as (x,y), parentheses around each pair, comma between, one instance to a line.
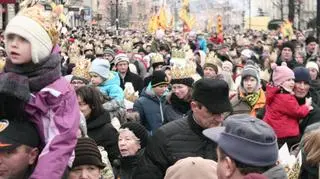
(136,81)
(174,141)
(101,130)
(129,164)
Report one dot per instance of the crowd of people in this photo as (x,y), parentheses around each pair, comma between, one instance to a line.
(91,103)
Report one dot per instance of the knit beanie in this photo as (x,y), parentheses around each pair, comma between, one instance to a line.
(159,78)
(139,131)
(32,24)
(250,70)
(281,73)
(288,44)
(121,58)
(109,51)
(100,67)
(87,153)
(312,64)
(302,74)
(310,39)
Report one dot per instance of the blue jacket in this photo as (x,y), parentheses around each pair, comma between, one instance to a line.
(111,87)
(203,44)
(150,109)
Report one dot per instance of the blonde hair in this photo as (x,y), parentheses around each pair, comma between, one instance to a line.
(311,145)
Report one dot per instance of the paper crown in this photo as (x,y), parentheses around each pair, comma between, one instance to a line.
(183,70)
(213,59)
(99,50)
(178,54)
(157,58)
(82,68)
(48,20)
(127,47)
(2,64)
(88,47)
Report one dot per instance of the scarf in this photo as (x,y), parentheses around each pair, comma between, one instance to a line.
(252,98)
(21,80)
(179,104)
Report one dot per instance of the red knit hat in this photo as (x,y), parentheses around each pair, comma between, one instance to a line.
(281,73)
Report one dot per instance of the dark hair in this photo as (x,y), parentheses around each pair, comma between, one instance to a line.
(92,96)
(244,169)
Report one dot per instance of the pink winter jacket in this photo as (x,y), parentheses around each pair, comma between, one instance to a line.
(55,111)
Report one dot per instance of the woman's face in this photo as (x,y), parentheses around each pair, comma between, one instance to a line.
(180,90)
(84,107)
(128,143)
(313,73)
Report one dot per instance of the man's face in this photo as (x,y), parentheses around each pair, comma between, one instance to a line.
(122,67)
(15,163)
(108,57)
(209,72)
(311,47)
(205,118)
(301,89)
(85,172)
(225,167)
(286,54)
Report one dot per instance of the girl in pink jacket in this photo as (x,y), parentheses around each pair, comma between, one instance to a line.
(32,78)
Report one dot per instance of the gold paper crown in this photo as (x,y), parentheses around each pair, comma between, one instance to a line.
(47,20)
(88,47)
(99,51)
(178,54)
(82,68)
(127,47)
(213,59)
(187,70)
(156,58)
(2,64)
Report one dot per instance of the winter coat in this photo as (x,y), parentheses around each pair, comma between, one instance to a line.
(150,109)
(101,130)
(283,112)
(129,164)
(175,108)
(291,64)
(55,111)
(111,87)
(174,141)
(136,81)
(240,106)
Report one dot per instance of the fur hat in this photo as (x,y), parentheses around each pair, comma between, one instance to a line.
(281,73)
(36,27)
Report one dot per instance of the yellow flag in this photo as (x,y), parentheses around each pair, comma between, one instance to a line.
(162,18)
(286,29)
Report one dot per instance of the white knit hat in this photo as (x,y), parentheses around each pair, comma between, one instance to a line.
(312,64)
(121,58)
(100,67)
(30,29)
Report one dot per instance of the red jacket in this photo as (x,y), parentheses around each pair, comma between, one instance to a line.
(283,112)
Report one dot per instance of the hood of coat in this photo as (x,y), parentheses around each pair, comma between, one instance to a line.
(271,93)
(96,122)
